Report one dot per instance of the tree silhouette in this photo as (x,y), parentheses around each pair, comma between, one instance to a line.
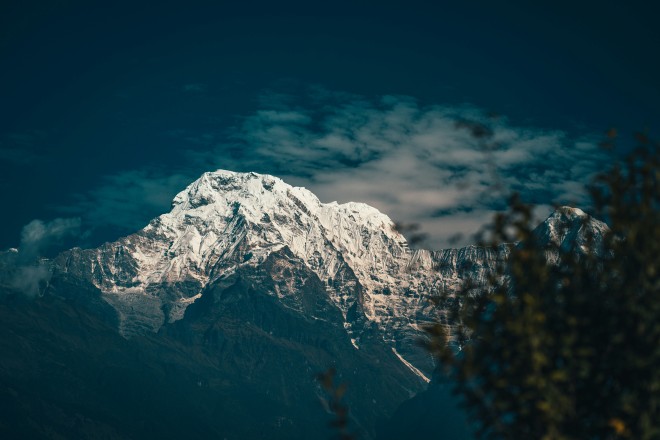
(564,342)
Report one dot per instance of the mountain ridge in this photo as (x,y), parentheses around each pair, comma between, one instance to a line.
(269,286)
(226,220)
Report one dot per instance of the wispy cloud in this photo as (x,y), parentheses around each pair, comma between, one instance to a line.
(411,161)
(29,273)
(30,279)
(38,236)
(126,201)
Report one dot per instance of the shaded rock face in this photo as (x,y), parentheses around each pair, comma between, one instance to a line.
(227,222)
(259,286)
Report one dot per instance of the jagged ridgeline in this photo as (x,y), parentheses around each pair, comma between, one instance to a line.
(238,296)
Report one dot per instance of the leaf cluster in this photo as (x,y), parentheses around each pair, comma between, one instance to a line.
(563,342)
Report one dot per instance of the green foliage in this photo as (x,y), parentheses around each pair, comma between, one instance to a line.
(564,343)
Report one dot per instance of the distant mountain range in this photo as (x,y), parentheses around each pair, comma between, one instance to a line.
(217,315)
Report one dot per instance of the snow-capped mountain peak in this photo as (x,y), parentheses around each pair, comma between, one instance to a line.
(225,220)
(219,209)
(281,239)
(255,196)
(569,229)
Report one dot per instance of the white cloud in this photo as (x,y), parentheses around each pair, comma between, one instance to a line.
(38,235)
(30,280)
(38,238)
(411,161)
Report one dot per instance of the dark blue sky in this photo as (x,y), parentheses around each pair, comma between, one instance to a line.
(107,110)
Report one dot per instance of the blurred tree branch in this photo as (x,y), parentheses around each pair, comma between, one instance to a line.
(564,343)
(335,394)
